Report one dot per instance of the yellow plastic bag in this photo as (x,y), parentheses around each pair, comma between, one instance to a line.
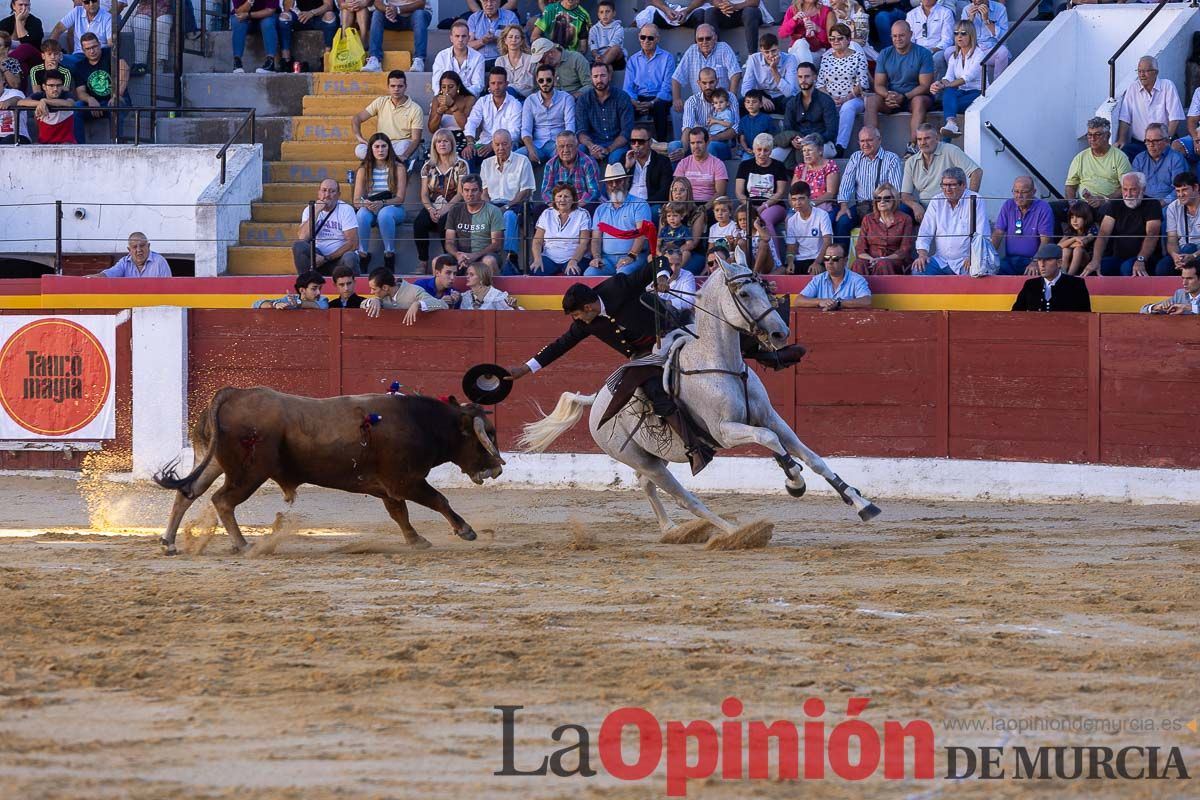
(347,54)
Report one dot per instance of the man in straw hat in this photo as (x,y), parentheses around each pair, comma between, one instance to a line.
(622,232)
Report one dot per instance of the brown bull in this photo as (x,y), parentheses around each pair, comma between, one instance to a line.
(377,444)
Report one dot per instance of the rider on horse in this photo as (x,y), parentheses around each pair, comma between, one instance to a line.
(625,316)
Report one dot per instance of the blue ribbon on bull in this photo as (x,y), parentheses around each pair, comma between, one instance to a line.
(369,421)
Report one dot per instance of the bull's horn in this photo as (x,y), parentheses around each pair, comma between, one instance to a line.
(481,432)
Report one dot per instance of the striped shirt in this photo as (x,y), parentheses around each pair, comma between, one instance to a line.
(722,60)
(862,175)
(697,110)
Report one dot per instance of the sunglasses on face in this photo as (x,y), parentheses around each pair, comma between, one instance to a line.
(648,38)
(832,259)
(704,38)
(638,141)
(885,198)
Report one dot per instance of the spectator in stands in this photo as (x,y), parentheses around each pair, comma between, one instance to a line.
(508,184)
(763,181)
(903,75)
(606,39)
(924,172)
(670,13)
(1081,231)
(868,168)
(961,86)
(1183,225)
(10,131)
(450,109)
(1095,173)
(1159,163)
(809,233)
(544,115)
(604,117)
(26,32)
(517,62)
(706,52)
(844,78)
(571,69)
(11,71)
(885,244)
(569,165)
(87,17)
(357,14)
(1129,231)
(1051,289)
(474,227)
(683,221)
(820,173)
(619,240)
(1187,145)
(51,63)
(141,261)
(755,122)
(948,231)
(1024,224)
(485,26)
(260,15)
(55,119)
(398,15)
(441,283)
(399,117)
(562,236)
(809,111)
(308,295)
(698,112)
(724,231)
(673,283)
(932,24)
(94,85)
(648,82)
(1148,99)
(834,288)
(807,23)
(990,20)
(336,233)
(1186,299)
(404,297)
(380,184)
(706,173)
(772,72)
(461,59)
(441,178)
(747,14)
(497,110)
(157,13)
(565,23)
(343,281)
(481,295)
(649,172)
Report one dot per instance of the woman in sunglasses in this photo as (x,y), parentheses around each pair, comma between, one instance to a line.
(960,87)
(885,243)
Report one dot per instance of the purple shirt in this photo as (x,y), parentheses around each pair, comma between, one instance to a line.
(1038,221)
(156,267)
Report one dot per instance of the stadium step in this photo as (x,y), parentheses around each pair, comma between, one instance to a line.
(360,83)
(344,106)
(392,59)
(298,193)
(276,212)
(329,129)
(268,234)
(317,151)
(308,171)
(247,260)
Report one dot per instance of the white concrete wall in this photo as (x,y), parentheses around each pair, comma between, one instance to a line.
(1043,100)
(159,346)
(122,188)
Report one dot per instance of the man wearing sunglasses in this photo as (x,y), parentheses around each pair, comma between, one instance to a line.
(650,172)
(709,53)
(544,115)
(1024,224)
(648,82)
(835,288)
(88,17)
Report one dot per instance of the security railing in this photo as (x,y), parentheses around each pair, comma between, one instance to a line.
(1008,145)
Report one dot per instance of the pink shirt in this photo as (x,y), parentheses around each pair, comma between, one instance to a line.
(703,176)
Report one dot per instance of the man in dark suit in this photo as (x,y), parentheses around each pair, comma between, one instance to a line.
(1054,290)
(650,172)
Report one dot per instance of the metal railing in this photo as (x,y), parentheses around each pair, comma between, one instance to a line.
(1112,62)
(983,74)
(1021,157)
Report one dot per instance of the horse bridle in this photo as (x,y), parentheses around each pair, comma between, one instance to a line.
(734,284)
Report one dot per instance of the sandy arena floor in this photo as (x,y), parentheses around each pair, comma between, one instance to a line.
(310,674)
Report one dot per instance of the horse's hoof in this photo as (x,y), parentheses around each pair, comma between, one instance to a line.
(168,548)
(796,491)
(870,512)
(421,543)
(467,534)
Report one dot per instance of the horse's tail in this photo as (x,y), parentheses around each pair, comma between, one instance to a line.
(537,436)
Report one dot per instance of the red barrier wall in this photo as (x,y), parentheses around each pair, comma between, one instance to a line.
(1096,388)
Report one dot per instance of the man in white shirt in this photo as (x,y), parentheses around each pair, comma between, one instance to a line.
(460,58)
(8,126)
(496,111)
(1183,225)
(809,232)
(933,28)
(773,72)
(507,184)
(1149,99)
(949,228)
(337,233)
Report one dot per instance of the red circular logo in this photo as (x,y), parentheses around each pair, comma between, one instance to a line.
(54,377)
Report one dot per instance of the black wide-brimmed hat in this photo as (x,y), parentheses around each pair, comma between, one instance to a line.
(485,384)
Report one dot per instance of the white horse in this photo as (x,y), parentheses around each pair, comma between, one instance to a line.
(717,388)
